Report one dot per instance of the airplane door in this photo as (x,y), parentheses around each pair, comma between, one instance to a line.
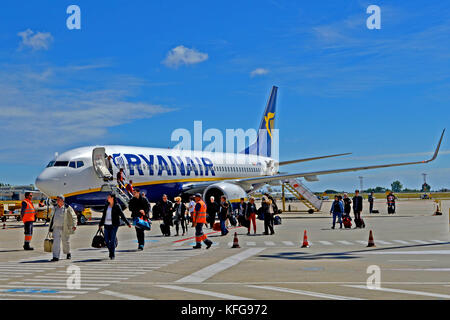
(99,163)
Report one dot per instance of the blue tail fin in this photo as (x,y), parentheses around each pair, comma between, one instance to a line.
(263,144)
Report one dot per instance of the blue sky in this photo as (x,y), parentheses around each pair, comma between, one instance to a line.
(135,72)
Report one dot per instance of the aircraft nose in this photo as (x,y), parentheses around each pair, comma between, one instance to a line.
(45,183)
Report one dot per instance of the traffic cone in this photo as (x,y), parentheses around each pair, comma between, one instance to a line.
(371,242)
(235,241)
(305,241)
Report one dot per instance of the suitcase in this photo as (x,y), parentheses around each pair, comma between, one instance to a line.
(99,240)
(216,226)
(233,221)
(347,222)
(277,220)
(375,211)
(165,229)
(360,223)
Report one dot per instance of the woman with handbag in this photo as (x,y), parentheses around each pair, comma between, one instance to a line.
(179,210)
(112,213)
(63,223)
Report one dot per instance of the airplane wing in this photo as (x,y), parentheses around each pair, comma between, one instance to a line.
(266,179)
(283,163)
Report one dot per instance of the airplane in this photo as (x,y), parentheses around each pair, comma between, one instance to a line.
(83,177)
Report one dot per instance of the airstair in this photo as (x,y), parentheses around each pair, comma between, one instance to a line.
(306,196)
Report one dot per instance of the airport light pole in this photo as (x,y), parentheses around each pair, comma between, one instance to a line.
(361,184)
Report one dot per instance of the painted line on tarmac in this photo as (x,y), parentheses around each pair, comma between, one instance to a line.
(40,296)
(289,243)
(122,295)
(347,243)
(401,241)
(417,293)
(214,232)
(204,292)
(251,243)
(305,293)
(62,283)
(411,260)
(445,283)
(42,287)
(423,269)
(326,243)
(269,243)
(209,271)
(445,252)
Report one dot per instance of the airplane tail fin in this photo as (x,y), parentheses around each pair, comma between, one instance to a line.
(264,141)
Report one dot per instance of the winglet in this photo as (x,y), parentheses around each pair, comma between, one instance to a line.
(437,148)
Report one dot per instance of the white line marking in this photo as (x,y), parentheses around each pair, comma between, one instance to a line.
(418,293)
(421,241)
(348,243)
(41,287)
(411,260)
(123,295)
(62,283)
(383,242)
(362,241)
(302,292)
(100,281)
(204,292)
(215,268)
(288,243)
(326,243)
(269,243)
(250,243)
(424,269)
(408,252)
(437,241)
(401,241)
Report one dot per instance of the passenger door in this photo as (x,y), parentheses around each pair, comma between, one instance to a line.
(99,163)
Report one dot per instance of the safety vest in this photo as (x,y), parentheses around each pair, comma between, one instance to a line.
(200,216)
(29,212)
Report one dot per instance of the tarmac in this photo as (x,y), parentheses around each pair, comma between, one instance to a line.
(411,260)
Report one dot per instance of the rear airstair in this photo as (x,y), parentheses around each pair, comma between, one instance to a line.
(306,196)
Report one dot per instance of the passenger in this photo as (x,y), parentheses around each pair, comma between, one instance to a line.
(179,217)
(198,220)
(112,213)
(347,205)
(212,210)
(250,214)
(371,198)
(28,216)
(109,164)
(274,202)
(337,209)
(121,179)
(223,215)
(140,208)
(129,188)
(268,211)
(63,223)
(241,211)
(357,208)
(391,203)
(165,208)
(191,207)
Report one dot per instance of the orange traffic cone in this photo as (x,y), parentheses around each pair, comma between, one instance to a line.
(371,242)
(305,241)
(235,241)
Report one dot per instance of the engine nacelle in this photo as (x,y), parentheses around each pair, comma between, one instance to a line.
(230,190)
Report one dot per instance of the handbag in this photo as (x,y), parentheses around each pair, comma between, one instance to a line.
(48,243)
(99,240)
(142,224)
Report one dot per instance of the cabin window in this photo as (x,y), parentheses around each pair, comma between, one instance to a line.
(61,163)
(80,164)
(72,164)
(50,164)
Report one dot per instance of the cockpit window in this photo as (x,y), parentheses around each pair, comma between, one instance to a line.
(50,164)
(72,164)
(80,164)
(61,163)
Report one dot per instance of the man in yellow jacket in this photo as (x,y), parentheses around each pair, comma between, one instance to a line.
(28,215)
(198,220)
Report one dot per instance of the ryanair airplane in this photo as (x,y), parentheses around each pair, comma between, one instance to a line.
(84,177)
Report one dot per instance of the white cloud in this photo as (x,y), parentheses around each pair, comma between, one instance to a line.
(258,72)
(36,41)
(181,55)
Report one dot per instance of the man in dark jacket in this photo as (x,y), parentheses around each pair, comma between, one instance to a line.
(223,214)
(357,207)
(212,208)
(371,199)
(165,208)
(140,208)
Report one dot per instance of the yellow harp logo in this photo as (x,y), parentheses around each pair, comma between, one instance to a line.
(269,122)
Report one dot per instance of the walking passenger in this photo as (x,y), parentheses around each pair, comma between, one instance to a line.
(121,179)
(129,188)
(198,220)
(371,198)
(212,210)
(268,211)
(179,217)
(191,207)
(347,205)
(357,208)
(112,214)
(28,215)
(391,203)
(63,223)
(337,209)
(165,208)
(140,208)
(223,215)
(250,214)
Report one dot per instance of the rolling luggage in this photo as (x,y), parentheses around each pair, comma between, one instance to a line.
(260,214)
(165,229)
(216,226)
(277,220)
(375,211)
(233,221)
(360,223)
(243,221)
(347,222)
